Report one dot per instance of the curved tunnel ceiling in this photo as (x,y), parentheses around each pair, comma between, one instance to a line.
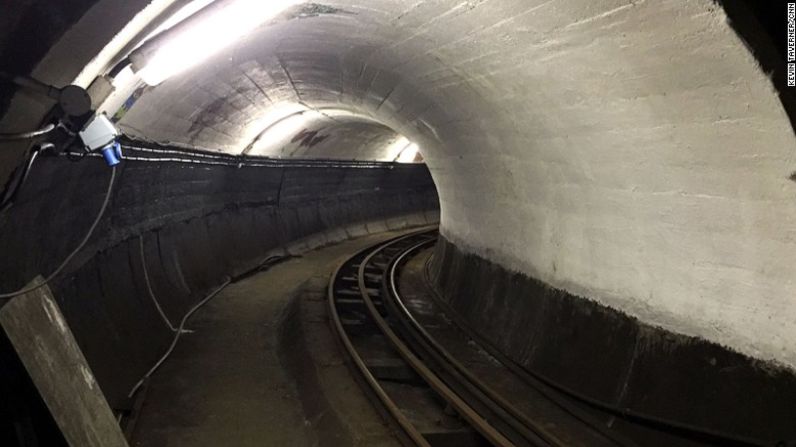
(322,136)
(286,130)
(632,152)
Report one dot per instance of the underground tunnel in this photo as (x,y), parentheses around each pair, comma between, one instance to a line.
(397,222)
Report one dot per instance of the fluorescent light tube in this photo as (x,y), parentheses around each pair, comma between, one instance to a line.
(204,35)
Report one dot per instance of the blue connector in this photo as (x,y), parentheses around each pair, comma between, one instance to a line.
(112,153)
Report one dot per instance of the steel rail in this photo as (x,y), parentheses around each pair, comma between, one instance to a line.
(525,376)
(517,420)
(432,379)
(403,422)
(539,381)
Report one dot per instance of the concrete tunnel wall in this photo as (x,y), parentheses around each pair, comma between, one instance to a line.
(631,155)
(199,223)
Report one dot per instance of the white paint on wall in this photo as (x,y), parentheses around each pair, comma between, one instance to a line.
(632,152)
(646,168)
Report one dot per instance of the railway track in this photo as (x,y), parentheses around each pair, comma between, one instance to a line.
(431,397)
(435,398)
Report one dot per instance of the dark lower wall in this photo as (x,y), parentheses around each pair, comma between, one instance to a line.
(605,355)
(199,223)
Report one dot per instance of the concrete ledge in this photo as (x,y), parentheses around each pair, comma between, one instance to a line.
(607,356)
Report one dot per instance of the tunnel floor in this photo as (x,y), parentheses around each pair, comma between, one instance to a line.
(264,366)
(233,381)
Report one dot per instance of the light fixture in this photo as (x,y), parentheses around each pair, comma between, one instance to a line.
(394,149)
(402,151)
(409,154)
(183,13)
(201,35)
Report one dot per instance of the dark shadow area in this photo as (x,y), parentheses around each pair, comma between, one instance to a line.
(614,361)
(762,25)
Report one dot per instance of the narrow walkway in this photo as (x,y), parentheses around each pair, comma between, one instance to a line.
(224,385)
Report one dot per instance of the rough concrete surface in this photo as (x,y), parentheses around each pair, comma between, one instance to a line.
(632,152)
(229,382)
(611,358)
(190,226)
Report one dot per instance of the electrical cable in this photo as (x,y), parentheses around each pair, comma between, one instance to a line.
(173,148)
(76,250)
(13,191)
(75,157)
(177,335)
(33,155)
(65,129)
(27,135)
(268,262)
(149,286)
(187,158)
